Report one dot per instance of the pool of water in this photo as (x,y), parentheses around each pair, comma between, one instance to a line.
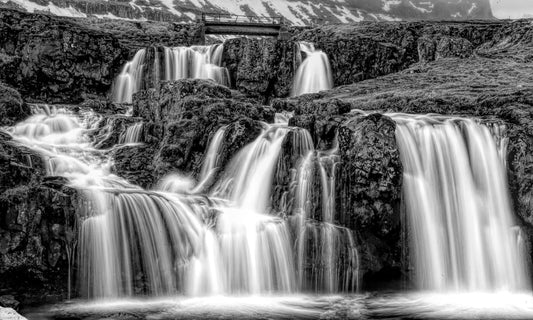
(363,306)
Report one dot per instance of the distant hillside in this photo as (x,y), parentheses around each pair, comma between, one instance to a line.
(298,12)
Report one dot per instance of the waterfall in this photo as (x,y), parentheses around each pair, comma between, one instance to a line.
(195,62)
(132,134)
(130,78)
(210,164)
(458,205)
(169,240)
(327,257)
(314,72)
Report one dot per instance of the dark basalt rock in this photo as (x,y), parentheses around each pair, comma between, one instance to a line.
(369,189)
(448,47)
(63,60)
(261,68)
(8,301)
(181,117)
(38,227)
(493,84)
(12,108)
(367,50)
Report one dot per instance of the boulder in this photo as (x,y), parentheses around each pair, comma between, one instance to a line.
(449,47)
(38,224)
(369,189)
(12,107)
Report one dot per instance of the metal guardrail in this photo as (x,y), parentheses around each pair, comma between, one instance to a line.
(235,18)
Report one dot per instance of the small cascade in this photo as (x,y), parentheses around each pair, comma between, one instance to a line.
(130,78)
(147,69)
(314,71)
(196,62)
(256,246)
(132,134)
(256,162)
(327,257)
(210,165)
(458,205)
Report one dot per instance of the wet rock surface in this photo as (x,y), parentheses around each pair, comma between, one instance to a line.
(181,117)
(38,228)
(12,108)
(370,189)
(262,68)
(491,82)
(62,60)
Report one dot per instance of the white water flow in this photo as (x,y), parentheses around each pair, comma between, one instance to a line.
(130,78)
(132,134)
(197,62)
(134,241)
(458,205)
(327,257)
(314,72)
(210,164)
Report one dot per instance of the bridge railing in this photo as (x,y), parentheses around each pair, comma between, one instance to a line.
(235,18)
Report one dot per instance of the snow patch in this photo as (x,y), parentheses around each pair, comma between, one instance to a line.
(52,8)
(474,7)
(423,10)
(388,3)
(109,15)
(170,6)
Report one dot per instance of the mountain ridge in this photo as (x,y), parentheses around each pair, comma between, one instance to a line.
(296,12)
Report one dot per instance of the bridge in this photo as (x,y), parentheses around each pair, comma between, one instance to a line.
(232,24)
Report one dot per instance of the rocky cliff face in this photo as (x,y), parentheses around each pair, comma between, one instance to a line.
(486,74)
(75,59)
(180,119)
(58,60)
(38,227)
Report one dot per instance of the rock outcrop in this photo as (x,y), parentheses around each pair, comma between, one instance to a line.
(262,68)
(369,189)
(38,227)
(61,60)
(180,117)
(494,83)
(12,108)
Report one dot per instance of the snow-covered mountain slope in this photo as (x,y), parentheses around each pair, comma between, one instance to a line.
(298,12)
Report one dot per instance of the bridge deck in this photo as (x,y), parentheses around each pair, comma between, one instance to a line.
(241,25)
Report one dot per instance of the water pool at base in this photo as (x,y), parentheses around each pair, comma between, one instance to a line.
(399,305)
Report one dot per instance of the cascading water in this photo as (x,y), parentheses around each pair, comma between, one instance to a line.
(132,134)
(458,205)
(130,78)
(327,257)
(169,241)
(210,164)
(195,62)
(314,72)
